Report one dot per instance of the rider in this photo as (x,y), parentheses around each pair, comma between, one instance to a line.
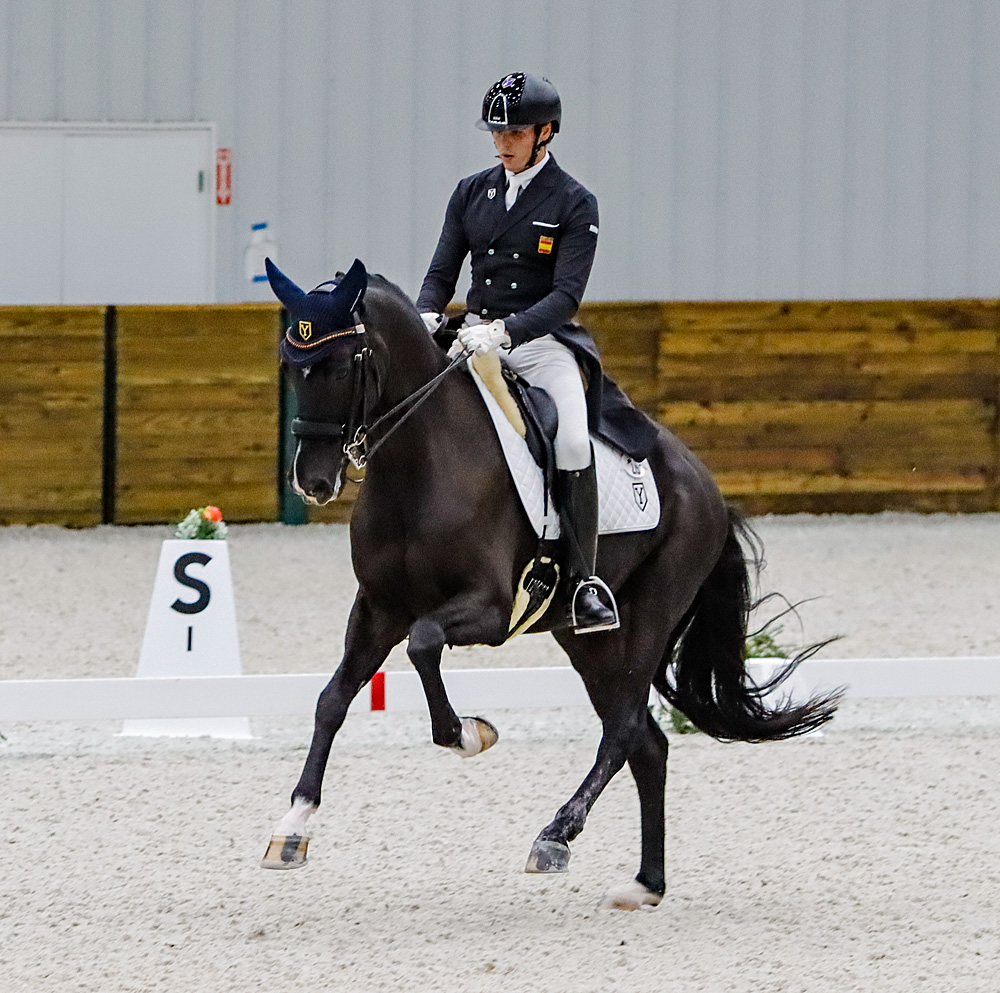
(532,232)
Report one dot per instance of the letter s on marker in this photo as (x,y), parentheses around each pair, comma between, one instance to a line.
(204,593)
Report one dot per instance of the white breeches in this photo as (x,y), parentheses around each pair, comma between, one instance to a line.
(549,364)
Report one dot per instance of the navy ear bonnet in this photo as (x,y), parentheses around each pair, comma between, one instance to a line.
(318,320)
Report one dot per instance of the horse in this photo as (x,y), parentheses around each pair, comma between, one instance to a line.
(439,540)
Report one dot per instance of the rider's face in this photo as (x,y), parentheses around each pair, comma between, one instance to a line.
(514,147)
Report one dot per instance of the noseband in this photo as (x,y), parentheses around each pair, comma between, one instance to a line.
(364,394)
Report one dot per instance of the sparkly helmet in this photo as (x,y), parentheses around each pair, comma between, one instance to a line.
(518,101)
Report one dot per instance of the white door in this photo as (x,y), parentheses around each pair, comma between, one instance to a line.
(107,216)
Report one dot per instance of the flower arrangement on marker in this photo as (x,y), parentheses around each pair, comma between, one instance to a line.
(202,523)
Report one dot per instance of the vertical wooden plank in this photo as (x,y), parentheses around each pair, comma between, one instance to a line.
(81,68)
(825,138)
(32,77)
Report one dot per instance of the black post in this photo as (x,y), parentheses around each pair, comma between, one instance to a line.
(109,427)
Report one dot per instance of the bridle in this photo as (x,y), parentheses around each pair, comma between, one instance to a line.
(355,432)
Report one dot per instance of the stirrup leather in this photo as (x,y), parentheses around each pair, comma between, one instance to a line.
(598,582)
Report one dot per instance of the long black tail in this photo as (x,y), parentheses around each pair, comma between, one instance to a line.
(703,673)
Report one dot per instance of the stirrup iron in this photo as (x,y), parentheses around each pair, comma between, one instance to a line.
(600,584)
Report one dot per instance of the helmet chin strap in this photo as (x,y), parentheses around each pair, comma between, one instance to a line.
(538,145)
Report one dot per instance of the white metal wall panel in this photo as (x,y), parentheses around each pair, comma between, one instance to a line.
(739,148)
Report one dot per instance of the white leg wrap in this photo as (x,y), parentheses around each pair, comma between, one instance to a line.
(294,822)
(628,896)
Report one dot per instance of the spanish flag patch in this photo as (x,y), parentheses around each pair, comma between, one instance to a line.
(545,245)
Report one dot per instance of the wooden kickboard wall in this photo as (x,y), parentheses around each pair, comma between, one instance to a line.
(822,406)
(801,406)
(197,412)
(51,414)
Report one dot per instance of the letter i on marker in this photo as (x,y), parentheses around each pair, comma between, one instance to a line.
(190,629)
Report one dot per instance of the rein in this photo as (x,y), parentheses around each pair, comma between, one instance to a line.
(357,450)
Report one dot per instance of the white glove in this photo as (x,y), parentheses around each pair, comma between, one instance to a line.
(433,322)
(484,338)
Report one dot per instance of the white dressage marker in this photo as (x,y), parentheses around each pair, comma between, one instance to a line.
(191,631)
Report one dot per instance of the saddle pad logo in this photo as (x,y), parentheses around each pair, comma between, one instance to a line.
(545,245)
(305,330)
(639,495)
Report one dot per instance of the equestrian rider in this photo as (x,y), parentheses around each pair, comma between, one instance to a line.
(532,232)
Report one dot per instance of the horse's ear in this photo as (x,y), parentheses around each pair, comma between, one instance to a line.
(284,289)
(350,290)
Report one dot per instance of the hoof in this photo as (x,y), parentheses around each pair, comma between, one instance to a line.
(478,734)
(285,852)
(629,896)
(548,856)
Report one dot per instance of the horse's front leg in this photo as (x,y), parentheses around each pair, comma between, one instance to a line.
(466,736)
(367,644)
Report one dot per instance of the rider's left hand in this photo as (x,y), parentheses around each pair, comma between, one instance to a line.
(484,338)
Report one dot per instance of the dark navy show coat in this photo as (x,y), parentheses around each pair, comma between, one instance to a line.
(530,267)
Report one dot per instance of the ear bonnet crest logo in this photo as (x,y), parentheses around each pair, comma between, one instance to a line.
(305,330)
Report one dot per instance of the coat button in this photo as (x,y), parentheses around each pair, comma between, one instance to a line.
(490,252)
(516,256)
(484,311)
(513,286)
(489,282)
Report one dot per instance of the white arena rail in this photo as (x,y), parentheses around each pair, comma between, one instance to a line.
(470,690)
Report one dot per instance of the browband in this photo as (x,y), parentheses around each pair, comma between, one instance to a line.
(357,329)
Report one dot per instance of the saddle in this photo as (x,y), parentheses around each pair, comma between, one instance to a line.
(525,420)
(533,415)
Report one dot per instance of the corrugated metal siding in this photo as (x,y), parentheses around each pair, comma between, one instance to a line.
(739,148)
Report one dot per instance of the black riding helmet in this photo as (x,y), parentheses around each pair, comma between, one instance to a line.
(518,101)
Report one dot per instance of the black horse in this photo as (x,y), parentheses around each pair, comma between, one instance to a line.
(439,540)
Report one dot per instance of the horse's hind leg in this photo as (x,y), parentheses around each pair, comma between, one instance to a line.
(466,736)
(648,763)
(624,727)
(366,647)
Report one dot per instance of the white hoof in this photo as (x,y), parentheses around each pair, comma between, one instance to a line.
(629,896)
(477,735)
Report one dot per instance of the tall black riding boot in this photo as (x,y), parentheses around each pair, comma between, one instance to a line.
(578,520)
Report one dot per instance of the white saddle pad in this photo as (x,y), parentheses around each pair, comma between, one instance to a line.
(627,495)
